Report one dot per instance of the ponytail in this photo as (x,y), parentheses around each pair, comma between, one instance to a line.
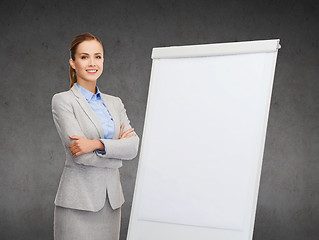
(72,75)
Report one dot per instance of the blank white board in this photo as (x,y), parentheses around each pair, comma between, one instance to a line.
(203,141)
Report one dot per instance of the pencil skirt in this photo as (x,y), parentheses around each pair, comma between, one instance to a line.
(71,224)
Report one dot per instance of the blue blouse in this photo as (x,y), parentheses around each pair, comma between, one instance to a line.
(101,112)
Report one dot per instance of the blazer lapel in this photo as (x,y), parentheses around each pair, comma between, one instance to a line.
(88,110)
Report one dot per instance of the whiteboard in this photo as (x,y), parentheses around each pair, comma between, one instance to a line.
(203,141)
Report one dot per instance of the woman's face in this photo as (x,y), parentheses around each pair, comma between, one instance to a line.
(88,63)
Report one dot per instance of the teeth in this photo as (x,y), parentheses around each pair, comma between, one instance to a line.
(91,70)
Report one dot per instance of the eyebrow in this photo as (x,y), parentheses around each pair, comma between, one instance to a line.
(89,54)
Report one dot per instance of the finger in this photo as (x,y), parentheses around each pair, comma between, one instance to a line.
(121,130)
(73,144)
(74,137)
(77,153)
(130,135)
(74,147)
(75,141)
(127,132)
(125,135)
(72,150)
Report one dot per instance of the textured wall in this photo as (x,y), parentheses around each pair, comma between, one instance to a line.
(34,62)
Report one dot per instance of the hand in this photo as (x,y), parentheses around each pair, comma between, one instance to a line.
(82,145)
(126,133)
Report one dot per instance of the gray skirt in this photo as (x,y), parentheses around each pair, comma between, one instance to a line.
(71,224)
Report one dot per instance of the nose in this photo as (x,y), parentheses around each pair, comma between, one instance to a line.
(92,62)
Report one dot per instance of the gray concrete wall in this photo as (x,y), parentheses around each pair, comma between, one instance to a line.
(35,36)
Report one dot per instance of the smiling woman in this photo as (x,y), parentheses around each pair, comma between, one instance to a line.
(96,135)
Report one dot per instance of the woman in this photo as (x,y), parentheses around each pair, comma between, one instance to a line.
(97,136)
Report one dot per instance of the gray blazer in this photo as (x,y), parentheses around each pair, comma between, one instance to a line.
(87,179)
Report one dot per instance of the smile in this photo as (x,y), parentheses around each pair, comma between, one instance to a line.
(92,70)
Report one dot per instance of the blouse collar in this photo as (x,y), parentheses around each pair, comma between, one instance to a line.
(88,94)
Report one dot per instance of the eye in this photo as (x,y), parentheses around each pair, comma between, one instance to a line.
(99,57)
(84,57)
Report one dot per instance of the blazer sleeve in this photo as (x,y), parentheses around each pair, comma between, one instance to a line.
(125,148)
(67,125)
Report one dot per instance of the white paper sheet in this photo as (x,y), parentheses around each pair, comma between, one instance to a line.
(202,144)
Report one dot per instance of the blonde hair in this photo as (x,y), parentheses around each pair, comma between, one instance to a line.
(73,46)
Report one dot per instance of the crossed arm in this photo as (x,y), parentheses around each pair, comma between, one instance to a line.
(82,145)
(83,150)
